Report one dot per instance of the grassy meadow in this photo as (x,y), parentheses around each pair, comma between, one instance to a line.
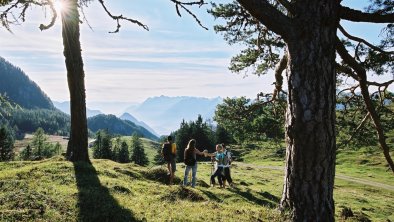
(57,190)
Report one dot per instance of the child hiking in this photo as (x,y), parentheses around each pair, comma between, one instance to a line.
(218,156)
(191,161)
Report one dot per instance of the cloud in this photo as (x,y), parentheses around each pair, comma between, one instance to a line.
(175,58)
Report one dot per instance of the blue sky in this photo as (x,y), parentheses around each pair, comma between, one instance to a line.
(175,58)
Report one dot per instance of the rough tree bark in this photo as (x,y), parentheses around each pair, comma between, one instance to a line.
(310,116)
(77,149)
(310,35)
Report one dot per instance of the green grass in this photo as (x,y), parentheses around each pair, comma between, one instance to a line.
(57,190)
(366,163)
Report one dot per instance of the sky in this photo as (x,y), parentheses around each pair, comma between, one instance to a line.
(175,58)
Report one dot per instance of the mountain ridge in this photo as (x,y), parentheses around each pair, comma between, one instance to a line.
(19,88)
(164,113)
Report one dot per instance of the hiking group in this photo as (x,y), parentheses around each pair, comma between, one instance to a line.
(220,162)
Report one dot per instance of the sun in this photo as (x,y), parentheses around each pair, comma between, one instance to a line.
(59,6)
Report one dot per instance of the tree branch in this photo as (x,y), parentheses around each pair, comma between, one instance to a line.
(357,129)
(278,75)
(121,17)
(359,16)
(270,17)
(182,5)
(362,78)
(54,16)
(348,71)
(357,39)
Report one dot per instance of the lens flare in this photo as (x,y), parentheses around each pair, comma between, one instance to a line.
(58,5)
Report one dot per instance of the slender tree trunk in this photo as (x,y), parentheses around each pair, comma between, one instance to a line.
(310,115)
(77,149)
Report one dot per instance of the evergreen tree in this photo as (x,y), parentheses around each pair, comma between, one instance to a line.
(97,145)
(182,137)
(138,155)
(26,153)
(6,144)
(102,148)
(124,156)
(106,147)
(41,147)
(116,149)
(58,148)
(39,143)
(198,130)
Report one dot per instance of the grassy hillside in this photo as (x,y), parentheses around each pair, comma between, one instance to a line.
(57,190)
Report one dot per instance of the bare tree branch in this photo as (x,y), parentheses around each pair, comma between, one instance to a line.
(182,5)
(348,71)
(357,129)
(270,17)
(357,39)
(278,75)
(359,16)
(280,67)
(362,78)
(118,18)
(54,16)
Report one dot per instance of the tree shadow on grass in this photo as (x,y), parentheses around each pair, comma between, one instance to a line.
(95,202)
(253,198)
(211,195)
(269,196)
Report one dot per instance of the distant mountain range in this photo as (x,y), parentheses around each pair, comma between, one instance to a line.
(24,106)
(164,114)
(65,107)
(159,115)
(129,117)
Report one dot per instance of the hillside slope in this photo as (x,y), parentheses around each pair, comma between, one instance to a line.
(129,117)
(20,89)
(114,125)
(57,190)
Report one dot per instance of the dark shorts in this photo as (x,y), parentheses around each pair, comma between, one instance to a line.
(173,163)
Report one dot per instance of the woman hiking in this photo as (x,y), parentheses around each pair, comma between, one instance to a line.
(191,162)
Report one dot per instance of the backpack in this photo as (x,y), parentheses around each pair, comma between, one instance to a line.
(227,157)
(166,151)
(189,160)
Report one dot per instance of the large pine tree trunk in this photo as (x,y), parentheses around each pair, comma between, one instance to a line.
(310,116)
(77,149)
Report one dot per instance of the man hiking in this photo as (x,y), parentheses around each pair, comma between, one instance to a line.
(168,152)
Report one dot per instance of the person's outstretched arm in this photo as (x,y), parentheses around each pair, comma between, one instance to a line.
(201,153)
